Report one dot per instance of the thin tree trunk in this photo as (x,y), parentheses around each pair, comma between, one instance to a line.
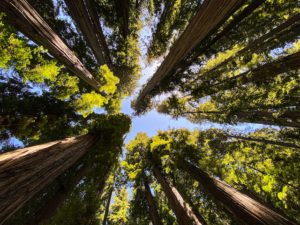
(107,207)
(122,9)
(247,210)
(291,22)
(25,172)
(181,209)
(49,210)
(210,16)
(265,118)
(89,26)
(259,74)
(279,143)
(26,19)
(155,218)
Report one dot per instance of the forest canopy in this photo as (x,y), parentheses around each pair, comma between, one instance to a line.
(68,68)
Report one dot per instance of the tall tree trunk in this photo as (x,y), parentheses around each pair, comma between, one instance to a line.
(257,43)
(26,19)
(247,210)
(259,74)
(155,218)
(210,16)
(107,207)
(89,26)
(25,172)
(181,209)
(49,210)
(265,118)
(266,141)
(122,9)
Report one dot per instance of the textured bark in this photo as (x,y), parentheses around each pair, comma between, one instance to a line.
(181,209)
(107,207)
(247,210)
(49,210)
(25,172)
(210,16)
(266,141)
(257,43)
(26,19)
(155,218)
(83,12)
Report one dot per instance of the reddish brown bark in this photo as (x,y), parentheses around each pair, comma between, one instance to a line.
(247,210)
(181,209)
(26,19)
(155,218)
(84,15)
(209,17)
(25,172)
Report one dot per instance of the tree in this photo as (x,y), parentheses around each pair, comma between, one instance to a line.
(84,14)
(187,42)
(247,210)
(22,16)
(78,161)
(118,214)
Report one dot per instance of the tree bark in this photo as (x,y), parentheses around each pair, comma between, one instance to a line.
(25,172)
(26,19)
(181,209)
(247,210)
(49,210)
(278,143)
(210,16)
(107,207)
(89,25)
(155,218)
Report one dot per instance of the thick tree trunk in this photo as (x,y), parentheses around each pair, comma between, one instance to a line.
(210,16)
(155,218)
(266,141)
(181,209)
(25,18)
(25,172)
(90,27)
(247,210)
(107,207)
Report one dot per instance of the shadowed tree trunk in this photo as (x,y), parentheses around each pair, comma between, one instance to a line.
(107,207)
(259,117)
(259,74)
(90,27)
(257,43)
(122,9)
(181,209)
(247,210)
(266,141)
(49,210)
(26,19)
(155,218)
(25,172)
(209,16)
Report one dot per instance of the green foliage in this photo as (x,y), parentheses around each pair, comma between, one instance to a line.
(119,208)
